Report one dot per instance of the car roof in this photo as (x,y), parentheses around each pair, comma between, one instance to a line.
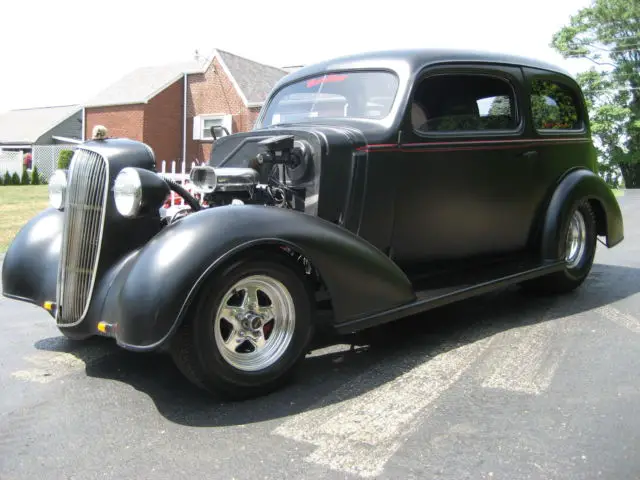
(416,59)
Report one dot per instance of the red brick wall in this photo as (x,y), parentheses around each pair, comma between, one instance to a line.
(163,124)
(121,121)
(212,93)
(253,116)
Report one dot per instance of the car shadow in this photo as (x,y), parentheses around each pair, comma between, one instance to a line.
(363,362)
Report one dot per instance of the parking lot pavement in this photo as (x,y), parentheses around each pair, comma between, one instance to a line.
(503,386)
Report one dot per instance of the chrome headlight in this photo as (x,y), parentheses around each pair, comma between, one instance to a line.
(127,191)
(137,191)
(58,189)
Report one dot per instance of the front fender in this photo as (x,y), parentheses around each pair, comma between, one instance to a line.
(576,186)
(153,292)
(30,266)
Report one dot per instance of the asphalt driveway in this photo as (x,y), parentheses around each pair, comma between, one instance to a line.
(503,386)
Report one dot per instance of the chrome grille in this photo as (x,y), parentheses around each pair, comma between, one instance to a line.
(84,213)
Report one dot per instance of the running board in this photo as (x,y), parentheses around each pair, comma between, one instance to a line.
(429,298)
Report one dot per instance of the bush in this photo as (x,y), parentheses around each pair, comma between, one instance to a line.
(64,159)
(25,180)
(35,176)
(15,179)
(7,179)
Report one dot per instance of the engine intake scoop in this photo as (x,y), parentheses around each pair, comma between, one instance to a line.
(209,179)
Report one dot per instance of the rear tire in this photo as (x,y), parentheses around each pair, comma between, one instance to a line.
(577,245)
(248,343)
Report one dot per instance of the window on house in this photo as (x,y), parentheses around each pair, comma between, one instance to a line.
(553,106)
(464,102)
(202,125)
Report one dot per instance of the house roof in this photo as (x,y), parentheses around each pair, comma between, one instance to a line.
(252,80)
(142,84)
(26,126)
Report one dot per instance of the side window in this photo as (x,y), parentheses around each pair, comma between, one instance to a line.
(464,102)
(553,106)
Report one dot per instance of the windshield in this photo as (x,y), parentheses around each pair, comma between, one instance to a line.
(335,95)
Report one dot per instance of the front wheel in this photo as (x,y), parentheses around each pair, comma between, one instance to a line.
(250,329)
(577,246)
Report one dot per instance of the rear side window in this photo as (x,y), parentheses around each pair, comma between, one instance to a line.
(554,106)
(464,102)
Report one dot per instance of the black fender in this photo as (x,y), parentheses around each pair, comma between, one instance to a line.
(149,296)
(576,186)
(30,266)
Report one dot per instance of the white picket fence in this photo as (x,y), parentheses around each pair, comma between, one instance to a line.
(10,162)
(177,171)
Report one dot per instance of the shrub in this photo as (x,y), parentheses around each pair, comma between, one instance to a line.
(7,178)
(24,180)
(64,159)
(35,176)
(15,179)
(1,180)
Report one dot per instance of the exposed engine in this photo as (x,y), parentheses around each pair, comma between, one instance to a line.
(274,177)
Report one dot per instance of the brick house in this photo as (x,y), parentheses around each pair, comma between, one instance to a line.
(172,107)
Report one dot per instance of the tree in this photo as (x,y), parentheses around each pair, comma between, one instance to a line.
(24,180)
(35,176)
(64,159)
(7,178)
(608,34)
(500,106)
(15,179)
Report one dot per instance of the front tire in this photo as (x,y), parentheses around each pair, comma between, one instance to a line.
(250,329)
(577,246)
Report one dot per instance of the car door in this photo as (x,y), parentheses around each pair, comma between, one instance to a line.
(465,168)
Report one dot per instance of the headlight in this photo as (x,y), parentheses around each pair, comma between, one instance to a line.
(137,191)
(127,191)
(57,189)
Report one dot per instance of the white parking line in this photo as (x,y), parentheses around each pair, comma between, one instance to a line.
(360,434)
(51,365)
(623,319)
(525,359)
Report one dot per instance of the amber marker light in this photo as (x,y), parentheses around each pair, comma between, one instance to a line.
(48,306)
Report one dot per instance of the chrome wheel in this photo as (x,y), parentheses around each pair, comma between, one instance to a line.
(254,323)
(576,242)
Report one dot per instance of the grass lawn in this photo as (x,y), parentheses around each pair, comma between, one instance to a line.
(17,205)
(617,192)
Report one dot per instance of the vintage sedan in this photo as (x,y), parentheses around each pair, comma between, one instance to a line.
(372,187)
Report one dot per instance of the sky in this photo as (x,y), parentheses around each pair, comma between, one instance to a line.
(64,52)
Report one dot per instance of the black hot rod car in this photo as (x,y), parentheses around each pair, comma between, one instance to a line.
(375,186)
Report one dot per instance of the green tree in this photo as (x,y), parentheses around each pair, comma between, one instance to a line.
(500,106)
(24,180)
(64,159)
(15,179)
(35,176)
(608,33)
(7,178)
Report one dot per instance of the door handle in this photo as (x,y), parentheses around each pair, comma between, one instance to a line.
(530,154)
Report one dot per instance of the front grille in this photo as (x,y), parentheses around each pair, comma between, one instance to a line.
(84,213)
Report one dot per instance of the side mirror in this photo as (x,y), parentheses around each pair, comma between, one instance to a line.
(219,129)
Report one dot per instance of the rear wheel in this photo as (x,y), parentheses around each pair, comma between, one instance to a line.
(577,246)
(250,329)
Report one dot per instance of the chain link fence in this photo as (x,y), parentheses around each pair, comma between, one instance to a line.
(10,162)
(45,157)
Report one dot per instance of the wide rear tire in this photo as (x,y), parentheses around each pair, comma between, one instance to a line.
(248,343)
(577,245)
